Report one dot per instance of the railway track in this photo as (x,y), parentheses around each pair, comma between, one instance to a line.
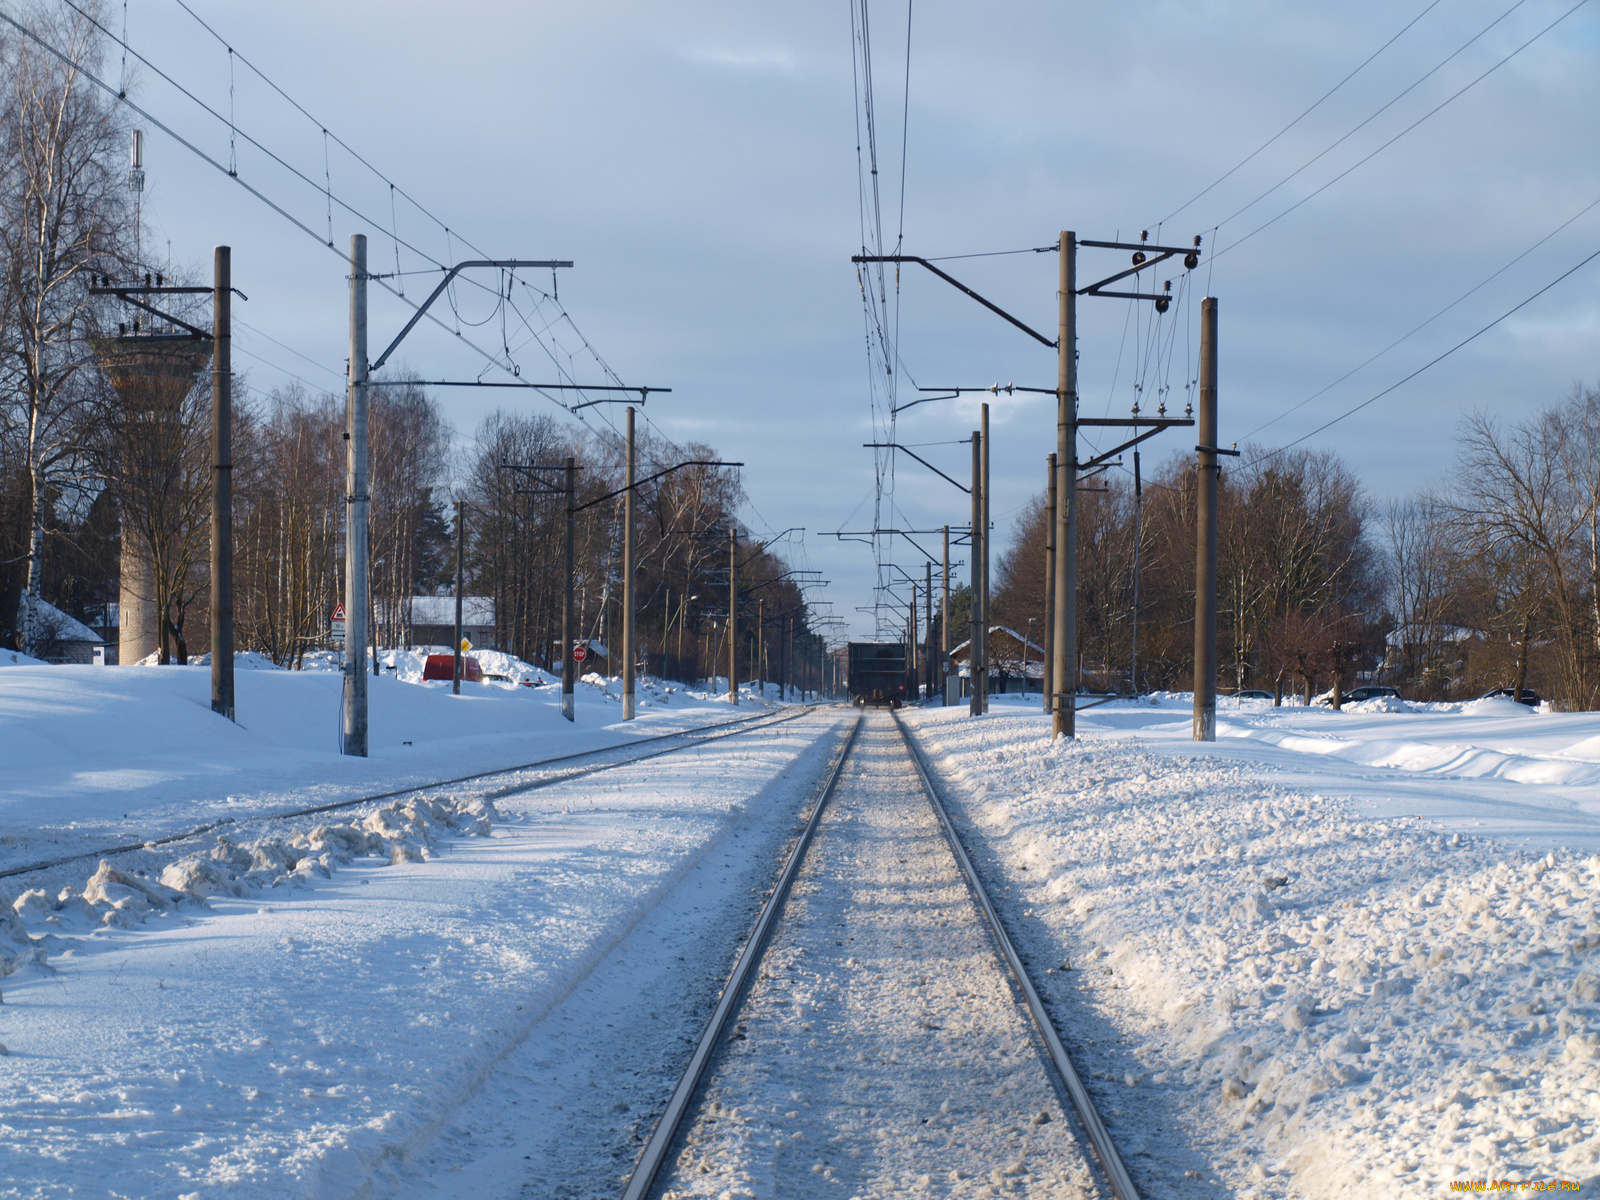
(683,739)
(879,1030)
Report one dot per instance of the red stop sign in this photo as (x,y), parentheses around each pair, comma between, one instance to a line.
(579,653)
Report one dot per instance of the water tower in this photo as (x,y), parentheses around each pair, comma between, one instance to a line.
(152,374)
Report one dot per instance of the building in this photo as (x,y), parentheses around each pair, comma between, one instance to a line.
(432,620)
(1015,663)
(59,638)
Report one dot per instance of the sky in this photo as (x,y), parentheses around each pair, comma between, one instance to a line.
(699,164)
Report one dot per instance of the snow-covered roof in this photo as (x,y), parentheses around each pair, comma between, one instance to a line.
(1400,635)
(1033,648)
(63,628)
(441,610)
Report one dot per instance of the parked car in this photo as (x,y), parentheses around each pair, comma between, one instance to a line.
(1529,697)
(1371,691)
(1252,694)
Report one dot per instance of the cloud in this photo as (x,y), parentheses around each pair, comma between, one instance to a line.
(751,60)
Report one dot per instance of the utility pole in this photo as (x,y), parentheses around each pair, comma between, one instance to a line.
(354,729)
(1138,505)
(461,549)
(927,642)
(911,641)
(733,615)
(983,626)
(569,668)
(1064,648)
(1205,567)
(944,625)
(1047,667)
(975,616)
(629,646)
(222,485)
(761,649)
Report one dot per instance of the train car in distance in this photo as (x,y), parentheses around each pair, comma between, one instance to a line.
(878,673)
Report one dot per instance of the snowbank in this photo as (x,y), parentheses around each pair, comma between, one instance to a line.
(94,756)
(1331,1004)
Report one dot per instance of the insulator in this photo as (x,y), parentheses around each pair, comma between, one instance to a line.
(147,279)
(158,278)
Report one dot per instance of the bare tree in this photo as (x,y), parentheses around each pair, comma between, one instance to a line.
(64,215)
(1517,502)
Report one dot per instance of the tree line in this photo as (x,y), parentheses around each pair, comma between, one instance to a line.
(105,457)
(1490,579)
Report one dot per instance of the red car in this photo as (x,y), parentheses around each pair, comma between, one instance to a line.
(443,666)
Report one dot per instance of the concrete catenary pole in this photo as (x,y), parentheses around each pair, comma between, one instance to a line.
(927,642)
(944,624)
(733,616)
(356,540)
(974,611)
(630,647)
(461,549)
(1205,561)
(1138,534)
(1047,667)
(222,484)
(1064,655)
(983,625)
(569,668)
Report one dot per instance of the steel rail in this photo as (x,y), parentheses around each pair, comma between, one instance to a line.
(1099,1137)
(655,1151)
(714,732)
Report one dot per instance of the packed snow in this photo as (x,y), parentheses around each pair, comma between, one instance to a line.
(880,1047)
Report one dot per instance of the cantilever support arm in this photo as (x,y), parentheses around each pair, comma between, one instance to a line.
(955,283)
(445,282)
(918,457)
(638,483)
(1134,441)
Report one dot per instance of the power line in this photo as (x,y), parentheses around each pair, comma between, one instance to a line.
(1432,362)
(1373,154)
(509,367)
(1403,337)
(1247,158)
(320,366)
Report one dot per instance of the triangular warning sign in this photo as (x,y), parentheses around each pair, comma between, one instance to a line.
(338,611)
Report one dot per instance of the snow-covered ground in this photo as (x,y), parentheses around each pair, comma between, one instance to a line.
(1487,767)
(1294,952)
(94,756)
(301,1012)
(1332,953)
